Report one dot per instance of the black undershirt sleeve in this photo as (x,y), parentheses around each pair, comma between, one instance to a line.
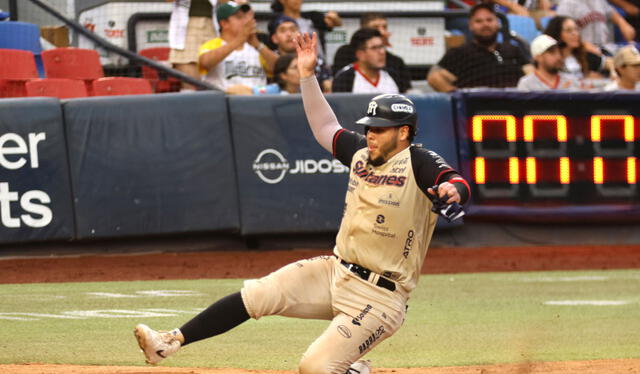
(430,169)
(345,144)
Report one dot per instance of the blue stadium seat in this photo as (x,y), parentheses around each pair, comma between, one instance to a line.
(525,27)
(25,36)
(544,21)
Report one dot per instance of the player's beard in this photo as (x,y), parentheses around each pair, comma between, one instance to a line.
(383,151)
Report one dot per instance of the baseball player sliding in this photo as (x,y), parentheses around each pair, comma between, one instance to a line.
(385,231)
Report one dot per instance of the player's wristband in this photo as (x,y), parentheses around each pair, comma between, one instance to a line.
(463,188)
(259,47)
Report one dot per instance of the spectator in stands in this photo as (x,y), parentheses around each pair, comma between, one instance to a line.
(548,61)
(282,29)
(593,17)
(190,26)
(631,9)
(627,64)
(308,22)
(581,60)
(367,74)
(236,61)
(345,55)
(286,74)
(482,62)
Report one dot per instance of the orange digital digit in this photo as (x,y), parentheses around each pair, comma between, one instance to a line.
(529,134)
(565,171)
(598,170)
(528,123)
(514,170)
(632,177)
(597,124)
(477,126)
(480,173)
(532,178)
(597,121)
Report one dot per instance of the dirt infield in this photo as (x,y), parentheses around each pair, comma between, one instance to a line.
(572,367)
(225,264)
(247,264)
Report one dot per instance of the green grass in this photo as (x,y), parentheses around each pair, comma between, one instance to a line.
(460,319)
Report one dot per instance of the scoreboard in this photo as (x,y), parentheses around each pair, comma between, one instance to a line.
(551,155)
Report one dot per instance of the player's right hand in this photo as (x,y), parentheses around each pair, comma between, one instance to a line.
(307,49)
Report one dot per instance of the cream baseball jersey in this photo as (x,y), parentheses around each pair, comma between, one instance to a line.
(387,222)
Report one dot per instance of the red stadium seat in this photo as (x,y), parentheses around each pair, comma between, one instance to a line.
(56,87)
(121,86)
(160,54)
(16,67)
(73,63)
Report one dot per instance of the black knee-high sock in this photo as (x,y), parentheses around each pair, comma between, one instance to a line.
(219,317)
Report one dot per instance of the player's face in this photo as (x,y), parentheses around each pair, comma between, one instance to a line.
(283,37)
(374,54)
(484,27)
(382,143)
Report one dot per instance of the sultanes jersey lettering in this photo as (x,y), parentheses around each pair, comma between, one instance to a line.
(387,222)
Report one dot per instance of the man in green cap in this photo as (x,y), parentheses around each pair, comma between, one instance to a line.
(236,61)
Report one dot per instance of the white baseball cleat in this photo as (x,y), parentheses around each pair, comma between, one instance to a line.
(156,345)
(360,367)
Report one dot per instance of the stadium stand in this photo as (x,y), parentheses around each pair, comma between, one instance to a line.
(56,87)
(16,67)
(523,26)
(22,35)
(73,63)
(544,21)
(113,86)
(159,83)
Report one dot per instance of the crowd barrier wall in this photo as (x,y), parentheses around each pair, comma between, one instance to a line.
(118,166)
(151,164)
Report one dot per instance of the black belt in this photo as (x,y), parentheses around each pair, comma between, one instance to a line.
(364,273)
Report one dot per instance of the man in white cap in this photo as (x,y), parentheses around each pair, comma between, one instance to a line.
(627,64)
(548,63)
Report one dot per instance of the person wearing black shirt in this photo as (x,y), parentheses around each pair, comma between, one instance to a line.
(482,62)
(346,54)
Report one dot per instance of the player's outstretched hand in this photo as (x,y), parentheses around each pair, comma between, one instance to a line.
(447,192)
(307,49)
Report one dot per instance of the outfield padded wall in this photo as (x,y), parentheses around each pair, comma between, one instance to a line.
(151,164)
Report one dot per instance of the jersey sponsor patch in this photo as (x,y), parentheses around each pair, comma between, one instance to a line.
(344,331)
(363,313)
(408,244)
(371,339)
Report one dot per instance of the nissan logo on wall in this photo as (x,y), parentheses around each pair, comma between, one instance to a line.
(271,166)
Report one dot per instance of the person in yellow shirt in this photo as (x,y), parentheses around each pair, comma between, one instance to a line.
(236,61)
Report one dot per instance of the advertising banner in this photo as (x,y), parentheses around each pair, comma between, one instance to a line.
(35,197)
